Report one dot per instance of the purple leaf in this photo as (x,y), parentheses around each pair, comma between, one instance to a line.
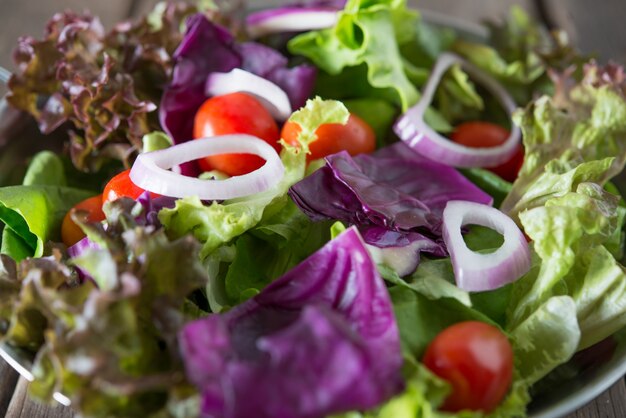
(320,340)
(394,188)
(208,48)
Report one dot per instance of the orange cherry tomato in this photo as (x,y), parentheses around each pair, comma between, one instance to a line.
(122,186)
(235,113)
(356,137)
(70,231)
(477,360)
(485,134)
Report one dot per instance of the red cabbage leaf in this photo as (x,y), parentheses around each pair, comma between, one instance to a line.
(207,48)
(320,340)
(394,188)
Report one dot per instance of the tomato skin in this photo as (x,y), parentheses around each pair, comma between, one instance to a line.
(480,134)
(235,113)
(477,360)
(70,231)
(356,137)
(122,186)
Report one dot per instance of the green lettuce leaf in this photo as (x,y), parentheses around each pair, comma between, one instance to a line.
(362,37)
(382,51)
(155,141)
(546,339)
(45,169)
(574,235)
(578,135)
(519,53)
(269,250)
(379,114)
(34,215)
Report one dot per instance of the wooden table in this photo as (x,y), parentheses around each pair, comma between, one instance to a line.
(599,30)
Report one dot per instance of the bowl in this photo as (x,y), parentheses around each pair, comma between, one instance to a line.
(564,390)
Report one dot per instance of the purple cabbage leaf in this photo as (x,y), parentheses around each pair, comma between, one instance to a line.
(207,48)
(394,188)
(320,340)
(394,196)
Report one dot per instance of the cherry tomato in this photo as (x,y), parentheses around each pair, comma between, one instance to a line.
(356,137)
(484,134)
(70,232)
(122,186)
(235,113)
(477,360)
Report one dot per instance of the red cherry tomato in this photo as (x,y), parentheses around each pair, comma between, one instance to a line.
(483,135)
(122,186)
(477,360)
(70,232)
(235,113)
(356,137)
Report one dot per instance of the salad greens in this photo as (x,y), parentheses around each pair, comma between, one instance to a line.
(273,304)
(103,84)
(32,213)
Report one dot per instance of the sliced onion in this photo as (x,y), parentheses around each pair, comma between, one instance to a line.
(413,130)
(273,97)
(150,170)
(290,19)
(474,271)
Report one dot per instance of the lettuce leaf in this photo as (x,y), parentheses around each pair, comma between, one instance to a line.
(362,37)
(546,339)
(519,53)
(269,250)
(577,237)
(112,349)
(579,135)
(34,214)
(45,169)
(103,84)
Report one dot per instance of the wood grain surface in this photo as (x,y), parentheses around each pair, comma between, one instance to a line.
(599,30)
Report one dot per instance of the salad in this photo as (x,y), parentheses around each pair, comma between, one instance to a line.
(328,209)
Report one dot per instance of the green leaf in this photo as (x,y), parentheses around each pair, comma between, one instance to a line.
(420,319)
(14,245)
(572,235)
(34,213)
(379,114)
(546,339)
(364,35)
(155,141)
(269,250)
(490,183)
(578,135)
(45,169)
(111,349)
(314,114)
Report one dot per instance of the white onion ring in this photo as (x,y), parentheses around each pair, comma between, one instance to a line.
(150,170)
(269,94)
(412,129)
(290,19)
(474,271)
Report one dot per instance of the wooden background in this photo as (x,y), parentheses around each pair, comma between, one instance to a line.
(596,27)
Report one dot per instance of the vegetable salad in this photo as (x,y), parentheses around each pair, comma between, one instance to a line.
(328,209)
